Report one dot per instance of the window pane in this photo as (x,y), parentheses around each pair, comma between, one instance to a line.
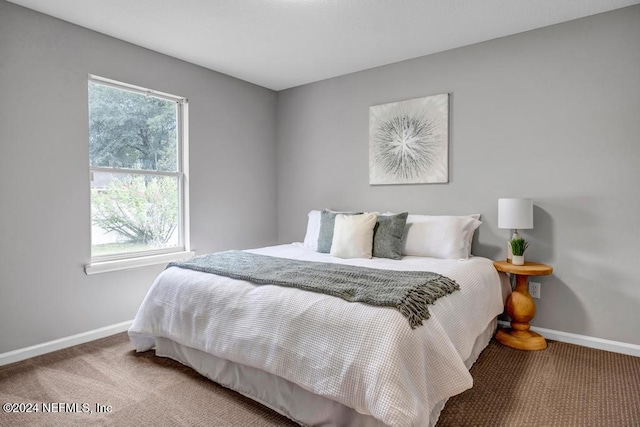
(131,130)
(131,213)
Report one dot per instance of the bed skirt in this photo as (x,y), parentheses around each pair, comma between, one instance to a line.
(283,396)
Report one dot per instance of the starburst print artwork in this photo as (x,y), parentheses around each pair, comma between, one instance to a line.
(408,141)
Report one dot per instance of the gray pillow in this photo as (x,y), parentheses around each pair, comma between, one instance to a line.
(388,234)
(327,223)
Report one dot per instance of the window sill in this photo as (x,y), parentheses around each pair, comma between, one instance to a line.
(123,264)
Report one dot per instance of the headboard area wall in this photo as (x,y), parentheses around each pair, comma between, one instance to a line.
(550,114)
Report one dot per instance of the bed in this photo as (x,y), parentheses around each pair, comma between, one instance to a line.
(318,359)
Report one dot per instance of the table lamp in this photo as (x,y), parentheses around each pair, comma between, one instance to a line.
(515,214)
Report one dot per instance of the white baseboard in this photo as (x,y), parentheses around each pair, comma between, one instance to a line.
(59,344)
(584,340)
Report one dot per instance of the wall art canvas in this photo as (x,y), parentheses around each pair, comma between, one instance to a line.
(409,141)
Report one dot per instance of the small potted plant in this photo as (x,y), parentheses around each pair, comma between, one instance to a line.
(518,246)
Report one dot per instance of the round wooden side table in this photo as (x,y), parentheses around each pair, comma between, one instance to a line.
(521,307)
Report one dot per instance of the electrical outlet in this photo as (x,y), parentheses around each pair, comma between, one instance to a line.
(534,290)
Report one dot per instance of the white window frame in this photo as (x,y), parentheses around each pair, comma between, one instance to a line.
(114,262)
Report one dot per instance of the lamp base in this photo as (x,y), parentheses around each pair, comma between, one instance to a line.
(509,251)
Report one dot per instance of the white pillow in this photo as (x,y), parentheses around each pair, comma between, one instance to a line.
(421,218)
(313,230)
(447,237)
(353,235)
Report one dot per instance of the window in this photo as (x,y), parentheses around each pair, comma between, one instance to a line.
(137,159)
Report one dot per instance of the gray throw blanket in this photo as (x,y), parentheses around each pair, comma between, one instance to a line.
(408,291)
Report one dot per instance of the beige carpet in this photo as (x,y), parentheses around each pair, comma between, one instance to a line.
(142,389)
(564,385)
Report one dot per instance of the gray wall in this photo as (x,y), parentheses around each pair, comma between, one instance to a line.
(556,108)
(44,175)
(551,114)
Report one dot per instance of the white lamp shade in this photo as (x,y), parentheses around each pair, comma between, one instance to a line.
(515,213)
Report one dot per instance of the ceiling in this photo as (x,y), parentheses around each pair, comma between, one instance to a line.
(280,44)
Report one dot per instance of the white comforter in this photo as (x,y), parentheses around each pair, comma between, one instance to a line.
(364,357)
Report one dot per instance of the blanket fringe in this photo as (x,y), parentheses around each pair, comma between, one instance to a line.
(414,305)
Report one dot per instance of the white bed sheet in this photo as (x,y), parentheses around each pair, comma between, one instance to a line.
(285,397)
(364,357)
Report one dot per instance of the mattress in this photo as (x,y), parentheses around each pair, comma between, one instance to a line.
(365,359)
